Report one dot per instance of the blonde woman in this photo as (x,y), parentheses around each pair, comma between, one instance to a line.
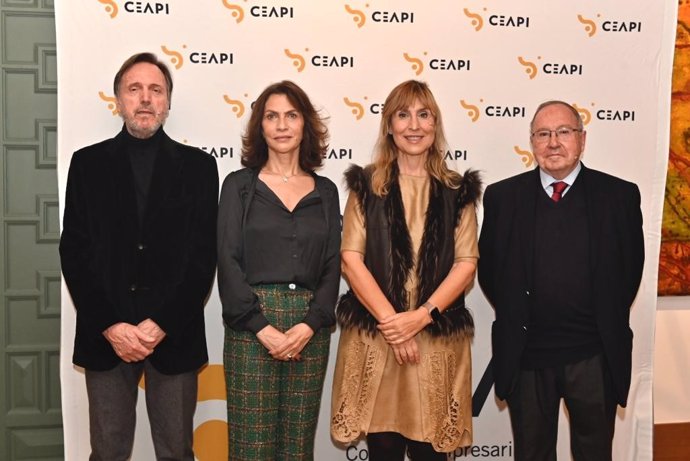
(409,251)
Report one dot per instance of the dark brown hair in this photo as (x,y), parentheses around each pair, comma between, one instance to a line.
(314,143)
(136,59)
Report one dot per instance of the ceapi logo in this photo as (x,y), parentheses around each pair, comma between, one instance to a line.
(393,16)
(379,16)
(608,25)
(455,154)
(437,64)
(263,11)
(590,26)
(477,20)
(608,114)
(616,115)
(297,59)
(472,110)
(112,8)
(526,156)
(236,105)
(147,8)
(492,110)
(260,11)
(530,67)
(362,107)
(585,115)
(112,102)
(550,68)
(211,57)
(219,151)
(199,57)
(236,11)
(417,64)
(357,108)
(319,60)
(175,57)
(341,153)
(496,20)
(357,16)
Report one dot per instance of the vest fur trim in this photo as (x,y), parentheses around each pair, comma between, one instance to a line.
(432,267)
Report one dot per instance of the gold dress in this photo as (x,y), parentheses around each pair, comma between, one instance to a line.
(430,401)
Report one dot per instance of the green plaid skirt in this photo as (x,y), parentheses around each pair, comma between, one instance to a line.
(273,406)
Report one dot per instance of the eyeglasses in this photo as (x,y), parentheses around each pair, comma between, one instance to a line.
(564,133)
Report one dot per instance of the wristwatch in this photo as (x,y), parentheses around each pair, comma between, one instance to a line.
(433,311)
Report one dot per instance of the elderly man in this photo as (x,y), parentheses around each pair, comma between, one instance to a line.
(138,256)
(561,261)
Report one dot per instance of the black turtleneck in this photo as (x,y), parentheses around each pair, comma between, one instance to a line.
(142,156)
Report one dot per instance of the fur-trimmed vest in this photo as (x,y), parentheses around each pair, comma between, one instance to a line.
(389,255)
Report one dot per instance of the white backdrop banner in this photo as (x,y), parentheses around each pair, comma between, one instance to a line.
(489,64)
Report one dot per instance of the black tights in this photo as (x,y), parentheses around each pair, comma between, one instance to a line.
(390,446)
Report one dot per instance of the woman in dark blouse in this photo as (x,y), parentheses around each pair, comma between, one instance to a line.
(278,277)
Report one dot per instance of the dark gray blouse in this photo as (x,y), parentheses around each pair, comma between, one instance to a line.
(261,242)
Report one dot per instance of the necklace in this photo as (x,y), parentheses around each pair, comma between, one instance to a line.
(284,177)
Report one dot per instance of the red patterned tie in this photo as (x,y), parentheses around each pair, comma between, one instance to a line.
(558,188)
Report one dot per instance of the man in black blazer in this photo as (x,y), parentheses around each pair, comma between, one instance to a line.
(138,256)
(561,256)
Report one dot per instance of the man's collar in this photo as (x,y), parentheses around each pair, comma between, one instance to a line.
(547,179)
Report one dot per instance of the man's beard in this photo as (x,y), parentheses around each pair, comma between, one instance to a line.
(145,130)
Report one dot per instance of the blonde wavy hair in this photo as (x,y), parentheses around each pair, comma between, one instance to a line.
(386,152)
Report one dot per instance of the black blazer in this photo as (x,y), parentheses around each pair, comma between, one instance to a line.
(505,272)
(108,258)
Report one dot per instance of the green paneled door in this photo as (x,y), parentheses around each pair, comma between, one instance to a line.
(30,414)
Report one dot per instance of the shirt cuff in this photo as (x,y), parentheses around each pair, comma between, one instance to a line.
(255,322)
(312,320)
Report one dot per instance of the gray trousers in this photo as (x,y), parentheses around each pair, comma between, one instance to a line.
(587,389)
(170,404)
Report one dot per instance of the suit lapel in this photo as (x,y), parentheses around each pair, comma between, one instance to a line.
(125,212)
(596,215)
(166,171)
(526,202)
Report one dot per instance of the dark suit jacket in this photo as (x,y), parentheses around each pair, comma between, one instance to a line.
(108,258)
(505,271)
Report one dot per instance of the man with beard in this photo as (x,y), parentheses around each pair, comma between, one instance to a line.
(138,256)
